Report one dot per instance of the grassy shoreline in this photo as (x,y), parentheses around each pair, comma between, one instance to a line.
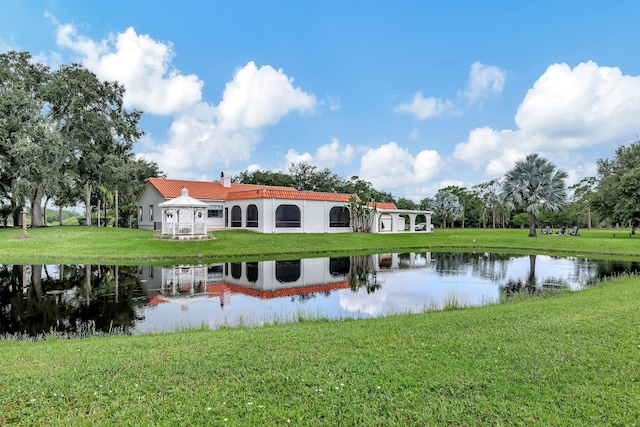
(573,359)
(126,246)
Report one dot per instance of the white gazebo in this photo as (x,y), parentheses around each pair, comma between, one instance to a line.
(184,217)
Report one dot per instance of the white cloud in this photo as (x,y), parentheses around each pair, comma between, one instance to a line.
(566,109)
(258,97)
(141,64)
(202,137)
(293,156)
(424,108)
(483,81)
(211,136)
(390,166)
(420,192)
(327,155)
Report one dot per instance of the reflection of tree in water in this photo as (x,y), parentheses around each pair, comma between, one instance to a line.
(610,267)
(303,298)
(363,273)
(530,286)
(490,266)
(80,300)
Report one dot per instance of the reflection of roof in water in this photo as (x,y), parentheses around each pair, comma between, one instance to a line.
(220,289)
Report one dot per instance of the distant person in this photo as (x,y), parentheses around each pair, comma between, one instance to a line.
(562,230)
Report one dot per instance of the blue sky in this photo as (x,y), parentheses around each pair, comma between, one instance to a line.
(409,95)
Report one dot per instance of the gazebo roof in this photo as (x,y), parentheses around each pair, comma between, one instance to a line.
(183,201)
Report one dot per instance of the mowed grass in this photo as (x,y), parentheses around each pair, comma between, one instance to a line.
(92,244)
(572,359)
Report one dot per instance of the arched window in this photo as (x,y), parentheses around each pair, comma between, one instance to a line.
(252,216)
(287,216)
(339,266)
(236,216)
(339,216)
(287,271)
(236,270)
(252,271)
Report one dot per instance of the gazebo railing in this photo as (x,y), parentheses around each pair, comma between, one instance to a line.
(183,228)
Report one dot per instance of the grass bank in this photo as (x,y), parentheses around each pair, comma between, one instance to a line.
(573,360)
(116,245)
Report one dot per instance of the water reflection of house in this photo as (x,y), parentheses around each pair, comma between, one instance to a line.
(264,279)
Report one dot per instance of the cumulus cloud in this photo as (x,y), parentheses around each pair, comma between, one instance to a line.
(258,97)
(566,109)
(484,80)
(141,64)
(209,135)
(391,166)
(424,108)
(327,155)
(202,136)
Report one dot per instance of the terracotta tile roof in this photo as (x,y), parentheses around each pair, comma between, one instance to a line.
(219,289)
(383,205)
(204,190)
(272,193)
(278,293)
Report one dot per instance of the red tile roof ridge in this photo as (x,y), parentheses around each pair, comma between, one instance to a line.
(212,190)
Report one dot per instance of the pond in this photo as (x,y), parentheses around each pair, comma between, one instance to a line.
(82,299)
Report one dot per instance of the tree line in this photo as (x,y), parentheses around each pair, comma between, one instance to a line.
(65,138)
(532,194)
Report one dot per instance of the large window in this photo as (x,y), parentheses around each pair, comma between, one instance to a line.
(339,266)
(252,272)
(214,211)
(236,216)
(287,271)
(236,270)
(339,217)
(287,216)
(252,216)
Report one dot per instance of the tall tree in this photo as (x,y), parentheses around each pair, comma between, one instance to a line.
(534,184)
(278,179)
(23,127)
(446,205)
(307,177)
(489,194)
(91,116)
(617,197)
(583,193)
(403,203)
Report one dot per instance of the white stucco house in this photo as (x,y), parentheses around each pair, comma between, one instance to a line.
(264,208)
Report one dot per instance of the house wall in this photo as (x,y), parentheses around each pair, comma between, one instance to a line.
(150,196)
(313,271)
(314,215)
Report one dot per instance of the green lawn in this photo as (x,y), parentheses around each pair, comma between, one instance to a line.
(570,359)
(109,245)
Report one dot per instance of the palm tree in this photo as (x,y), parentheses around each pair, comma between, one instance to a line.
(447,206)
(533,184)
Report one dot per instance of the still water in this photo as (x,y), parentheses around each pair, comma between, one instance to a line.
(74,299)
